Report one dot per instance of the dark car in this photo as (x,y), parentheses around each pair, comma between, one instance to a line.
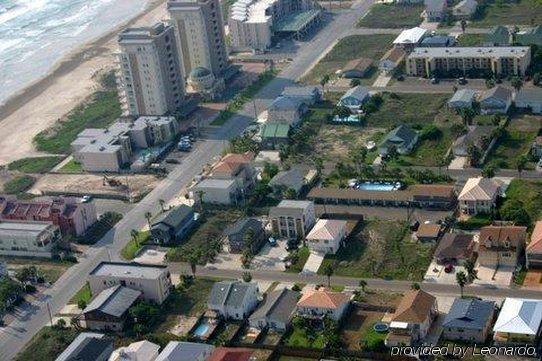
(172,161)
(461,81)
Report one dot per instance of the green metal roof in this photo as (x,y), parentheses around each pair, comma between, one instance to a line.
(275,130)
(296,21)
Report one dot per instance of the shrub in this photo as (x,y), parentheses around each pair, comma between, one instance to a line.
(430,132)
(19,184)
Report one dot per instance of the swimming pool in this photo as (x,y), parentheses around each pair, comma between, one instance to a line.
(373,186)
(202,329)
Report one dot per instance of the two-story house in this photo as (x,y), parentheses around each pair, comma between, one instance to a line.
(233,299)
(468,320)
(479,195)
(317,304)
(327,236)
(292,219)
(501,245)
(518,322)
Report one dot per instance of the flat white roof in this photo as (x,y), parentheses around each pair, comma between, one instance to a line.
(250,11)
(131,270)
(470,52)
(410,36)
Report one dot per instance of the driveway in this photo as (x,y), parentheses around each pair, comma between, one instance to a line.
(435,274)
(488,276)
(270,258)
(313,263)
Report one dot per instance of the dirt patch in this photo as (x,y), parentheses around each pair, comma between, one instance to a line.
(533,279)
(335,141)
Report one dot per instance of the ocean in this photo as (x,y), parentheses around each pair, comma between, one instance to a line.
(36,34)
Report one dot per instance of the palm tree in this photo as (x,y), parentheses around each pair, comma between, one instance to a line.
(247,276)
(199,198)
(467,114)
(363,284)
(516,82)
(472,273)
(135,236)
(162,204)
(461,279)
(489,171)
(148,217)
(328,271)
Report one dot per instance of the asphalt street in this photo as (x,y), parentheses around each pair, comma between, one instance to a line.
(18,333)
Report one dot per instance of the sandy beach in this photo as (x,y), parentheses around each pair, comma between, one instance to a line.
(48,100)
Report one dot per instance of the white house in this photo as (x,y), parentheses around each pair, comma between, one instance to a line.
(136,351)
(479,195)
(462,98)
(233,299)
(529,99)
(410,38)
(327,235)
(316,304)
(464,9)
(354,98)
(518,322)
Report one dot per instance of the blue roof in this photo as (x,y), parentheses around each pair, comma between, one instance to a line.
(471,314)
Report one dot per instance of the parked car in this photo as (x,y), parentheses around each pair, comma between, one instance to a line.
(86,199)
(449,268)
(172,161)
(272,241)
(184,146)
(434,81)
(462,81)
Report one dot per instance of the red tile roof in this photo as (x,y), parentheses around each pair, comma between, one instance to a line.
(323,298)
(230,354)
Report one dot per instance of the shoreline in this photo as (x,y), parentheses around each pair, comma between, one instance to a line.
(71,61)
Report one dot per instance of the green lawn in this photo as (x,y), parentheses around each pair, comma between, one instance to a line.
(72,167)
(428,153)
(34,165)
(528,192)
(470,39)
(102,109)
(84,294)
(522,12)
(381,249)
(349,48)
(515,142)
(392,16)
(297,267)
(47,344)
(19,184)
(134,245)
(298,338)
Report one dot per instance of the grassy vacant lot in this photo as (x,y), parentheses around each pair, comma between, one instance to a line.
(84,294)
(470,39)
(207,237)
(47,344)
(34,165)
(516,142)
(19,184)
(381,249)
(349,48)
(134,245)
(72,167)
(100,110)
(303,255)
(529,193)
(51,270)
(392,16)
(500,12)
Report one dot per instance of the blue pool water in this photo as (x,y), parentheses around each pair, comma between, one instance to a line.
(367,186)
(201,330)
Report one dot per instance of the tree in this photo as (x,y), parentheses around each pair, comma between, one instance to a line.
(247,276)
(474,154)
(289,193)
(249,238)
(392,152)
(467,115)
(463,25)
(323,81)
(472,273)
(199,198)
(148,217)
(514,210)
(135,236)
(81,304)
(363,285)
(162,204)
(516,82)
(144,316)
(415,286)
(489,171)
(61,323)
(521,163)
(461,279)
(341,111)
(328,271)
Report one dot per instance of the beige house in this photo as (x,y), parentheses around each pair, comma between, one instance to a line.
(412,319)
(28,239)
(292,219)
(479,195)
(153,281)
(136,351)
(316,304)
(327,236)
(501,245)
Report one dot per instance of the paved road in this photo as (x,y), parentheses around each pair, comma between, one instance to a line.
(18,333)
(375,284)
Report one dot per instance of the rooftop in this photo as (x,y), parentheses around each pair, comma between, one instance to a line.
(131,270)
(323,298)
(535,246)
(24,228)
(410,36)
(296,21)
(479,189)
(113,301)
(470,52)
(519,316)
(414,307)
(278,305)
(327,229)
(469,314)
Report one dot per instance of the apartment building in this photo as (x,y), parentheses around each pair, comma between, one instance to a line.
(71,215)
(150,80)
(446,61)
(154,281)
(116,147)
(28,239)
(200,35)
(292,219)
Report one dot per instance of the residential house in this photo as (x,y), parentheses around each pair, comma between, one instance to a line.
(136,351)
(108,311)
(536,147)
(357,68)
(316,304)
(238,167)
(479,195)
(391,60)
(236,235)
(496,100)
(438,41)
(477,135)
(465,9)
(154,281)
(72,216)
(174,224)
(427,232)
(518,322)
(231,354)
(88,346)
(462,98)
(288,110)
(275,135)
(217,191)
(534,248)
(292,219)
(498,36)
(276,311)
(309,94)
(454,248)
(233,299)
(193,351)
(412,319)
(327,236)
(530,36)
(403,139)
(501,245)
(28,239)
(410,38)
(529,99)
(354,98)
(435,10)
(469,320)
(295,179)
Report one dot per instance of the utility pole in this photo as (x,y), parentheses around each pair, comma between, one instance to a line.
(49,312)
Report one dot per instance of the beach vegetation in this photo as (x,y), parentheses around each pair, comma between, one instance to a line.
(34,165)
